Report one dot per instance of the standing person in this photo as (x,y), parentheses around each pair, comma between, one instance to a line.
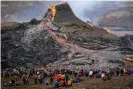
(117,72)
(27,79)
(103,76)
(91,73)
(13,83)
(66,78)
(86,73)
(69,83)
(56,84)
(40,78)
(24,79)
(78,79)
(130,71)
(16,77)
(75,73)
(46,82)
(35,79)
(122,72)
(51,79)
(82,72)
(62,82)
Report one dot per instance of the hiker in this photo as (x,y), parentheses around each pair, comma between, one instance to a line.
(109,76)
(99,74)
(103,76)
(46,82)
(66,78)
(77,79)
(121,72)
(86,73)
(130,71)
(24,79)
(62,76)
(91,73)
(40,78)
(56,84)
(117,72)
(35,79)
(69,83)
(16,77)
(62,82)
(82,72)
(13,83)
(20,75)
(75,74)
(51,79)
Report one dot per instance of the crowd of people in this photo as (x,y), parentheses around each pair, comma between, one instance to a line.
(59,77)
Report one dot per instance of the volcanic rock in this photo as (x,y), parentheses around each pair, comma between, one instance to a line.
(66,42)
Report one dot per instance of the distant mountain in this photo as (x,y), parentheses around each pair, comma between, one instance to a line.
(119,17)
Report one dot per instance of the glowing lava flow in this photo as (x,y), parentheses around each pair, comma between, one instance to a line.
(53,9)
(109,31)
(54,34)
(72,47)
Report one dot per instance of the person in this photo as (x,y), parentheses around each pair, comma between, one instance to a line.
(75,74)
(69,83)
(12,83)
(46,82)
(78,79)
(62,82)
(91,73)
(51,79)
(99,74)
(56,84)
(125,71)
(62,76)
(35,79)
(57,77)
(109,76)
(66,78)
(40,78)
(103,76)
(27,79)
(117,72)
(122,72)
(86,73)
(24,79)
(82,72)
(16,77)
(130,71)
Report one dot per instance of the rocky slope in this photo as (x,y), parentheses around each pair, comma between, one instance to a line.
(66,42)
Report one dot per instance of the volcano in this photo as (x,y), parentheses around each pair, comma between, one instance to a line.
(62,40)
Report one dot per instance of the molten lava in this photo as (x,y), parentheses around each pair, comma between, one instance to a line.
(62,41)
(109,31)
(129,59)
(53,9)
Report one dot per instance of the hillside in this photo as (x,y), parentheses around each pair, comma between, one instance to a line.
(119,17)
(123,82)
(65,42)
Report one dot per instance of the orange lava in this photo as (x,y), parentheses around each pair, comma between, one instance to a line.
(53,9)
(108,30)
